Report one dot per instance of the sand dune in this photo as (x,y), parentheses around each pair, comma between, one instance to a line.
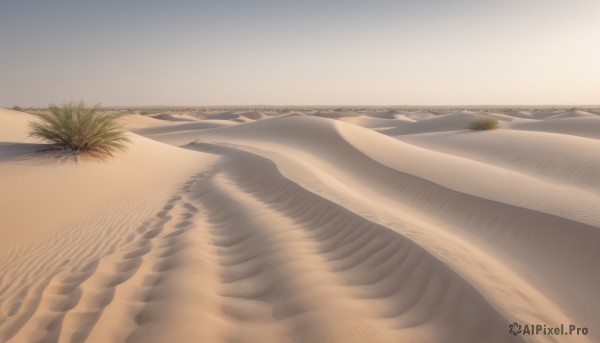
(193,127)
(222,116)
(175,117)
(444,122)
(320,150)
(572,114)
(322,226)
(253,115)
(377,123)
(583,127)
(526,114)
(501,117)
(578,165)
(13,126)
(137,121)
(417,116)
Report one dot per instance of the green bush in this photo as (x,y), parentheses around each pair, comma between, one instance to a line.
(483,123)
(80,129)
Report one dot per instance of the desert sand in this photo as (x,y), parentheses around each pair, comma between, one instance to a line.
(305,225)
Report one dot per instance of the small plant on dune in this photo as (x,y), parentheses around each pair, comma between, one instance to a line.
(17,108)
(80,129)
(483,123)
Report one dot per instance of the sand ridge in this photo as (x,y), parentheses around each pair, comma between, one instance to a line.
(304,226)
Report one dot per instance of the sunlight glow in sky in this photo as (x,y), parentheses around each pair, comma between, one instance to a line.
(328,52)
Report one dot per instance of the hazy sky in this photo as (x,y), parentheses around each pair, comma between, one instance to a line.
(413,52)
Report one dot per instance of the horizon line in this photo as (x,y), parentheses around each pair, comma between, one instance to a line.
(328,106)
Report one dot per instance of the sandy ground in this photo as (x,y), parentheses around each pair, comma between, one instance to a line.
(305,226)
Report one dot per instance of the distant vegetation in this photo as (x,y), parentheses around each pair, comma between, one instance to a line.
(81,129)
(17,108)
(483,123)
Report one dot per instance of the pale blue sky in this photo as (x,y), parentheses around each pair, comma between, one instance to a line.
(233,52)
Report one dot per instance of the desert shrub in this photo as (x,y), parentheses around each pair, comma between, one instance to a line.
(17,108)
(483,123)
(80,129)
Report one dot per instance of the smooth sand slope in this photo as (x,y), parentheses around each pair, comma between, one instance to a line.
(444,122)
(327,226)
(584,126)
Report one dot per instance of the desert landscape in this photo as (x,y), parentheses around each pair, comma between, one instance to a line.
(315,171)
(305,224)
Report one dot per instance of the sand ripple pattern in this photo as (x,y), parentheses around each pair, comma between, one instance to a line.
(243,254)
